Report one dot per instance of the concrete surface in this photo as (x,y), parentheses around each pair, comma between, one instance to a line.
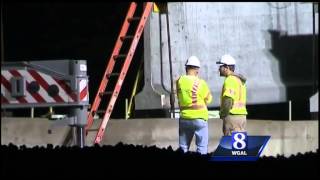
(314,102)
(211,29)
(286,137)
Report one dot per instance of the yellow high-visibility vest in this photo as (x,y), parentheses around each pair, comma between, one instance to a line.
(193,96)
(234,88)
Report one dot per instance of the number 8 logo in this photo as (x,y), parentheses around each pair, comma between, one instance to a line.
(239,141)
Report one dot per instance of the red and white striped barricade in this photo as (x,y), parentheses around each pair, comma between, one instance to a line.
(52,83)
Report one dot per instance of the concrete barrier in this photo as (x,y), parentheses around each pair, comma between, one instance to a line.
(287,138)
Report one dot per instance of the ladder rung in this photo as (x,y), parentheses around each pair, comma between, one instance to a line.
(113,74)
(93,130)
(119,56)
(134,19)
(126,37)
(105,93)
(100,111)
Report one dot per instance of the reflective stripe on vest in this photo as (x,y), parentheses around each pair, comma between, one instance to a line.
(196,107)
(194,91)
(238,104)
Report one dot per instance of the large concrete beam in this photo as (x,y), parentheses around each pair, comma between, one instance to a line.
(153,93)
(211,29)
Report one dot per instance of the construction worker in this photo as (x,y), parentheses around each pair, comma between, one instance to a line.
(233,97)
(193,97)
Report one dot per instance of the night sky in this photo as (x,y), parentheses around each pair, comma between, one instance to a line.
(74,30)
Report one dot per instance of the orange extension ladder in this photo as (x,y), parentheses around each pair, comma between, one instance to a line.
(116,57)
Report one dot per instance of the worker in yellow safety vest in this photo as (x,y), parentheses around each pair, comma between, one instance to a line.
(233,110)
(193,97)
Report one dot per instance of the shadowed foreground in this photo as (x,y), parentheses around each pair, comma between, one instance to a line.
(132,161)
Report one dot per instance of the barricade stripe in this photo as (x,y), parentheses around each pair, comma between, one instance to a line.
(4,100)
(5,83)
(6,87)
(44,84)
(42,92)
(83,93)
(7,95)
(20,99)
(3,89)
(50,81)
(67,89)
(28,97)
(36,96)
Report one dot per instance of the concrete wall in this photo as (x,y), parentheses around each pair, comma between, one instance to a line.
(286,137)
(211,29)
(314,103)
(31,132)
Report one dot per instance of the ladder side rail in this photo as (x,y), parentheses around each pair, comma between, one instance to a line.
(124,70)
(111,64)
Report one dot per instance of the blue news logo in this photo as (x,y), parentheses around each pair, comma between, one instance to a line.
(239,143)
(240,147)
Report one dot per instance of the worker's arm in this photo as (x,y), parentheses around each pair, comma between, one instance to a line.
(208,98)
(226,105)
(177,86)
(207,94)
(177,89)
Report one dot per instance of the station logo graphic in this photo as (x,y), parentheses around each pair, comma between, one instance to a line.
(240,147)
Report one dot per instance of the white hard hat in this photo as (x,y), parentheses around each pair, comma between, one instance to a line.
(193,61)
(227,60)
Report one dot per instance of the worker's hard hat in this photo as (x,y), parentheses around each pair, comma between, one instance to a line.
(227,60)
(193,61)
